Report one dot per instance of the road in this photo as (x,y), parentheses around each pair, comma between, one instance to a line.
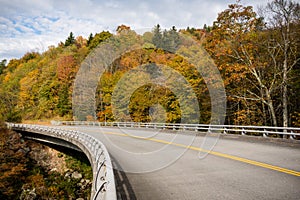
(158,165)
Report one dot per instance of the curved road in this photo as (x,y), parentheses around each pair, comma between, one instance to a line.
(156,165)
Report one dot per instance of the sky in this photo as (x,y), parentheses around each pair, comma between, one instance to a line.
(34,25)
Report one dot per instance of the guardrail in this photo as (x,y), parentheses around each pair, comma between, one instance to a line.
(265,131)
(103,178)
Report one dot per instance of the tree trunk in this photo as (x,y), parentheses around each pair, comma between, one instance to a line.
(286,41)
(263,107)
(284,96)
(284,75)
(271,107)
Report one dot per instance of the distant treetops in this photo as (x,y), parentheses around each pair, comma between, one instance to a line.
(258,59)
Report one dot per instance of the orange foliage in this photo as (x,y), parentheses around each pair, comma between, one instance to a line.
(65,68)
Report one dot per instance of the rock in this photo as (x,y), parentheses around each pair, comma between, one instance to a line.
(84,183)
(76,175)
(24,150)
(54,170)
(28,195)
(21,151)
(68,174)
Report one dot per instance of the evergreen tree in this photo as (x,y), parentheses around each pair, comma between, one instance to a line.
(2,65)
(90,39)
(168,40)
(174,39)
(70,40)
(157,36)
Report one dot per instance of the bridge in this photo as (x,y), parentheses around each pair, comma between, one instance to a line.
(181,161)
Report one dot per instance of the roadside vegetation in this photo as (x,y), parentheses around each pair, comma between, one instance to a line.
(29,170)
(257,56)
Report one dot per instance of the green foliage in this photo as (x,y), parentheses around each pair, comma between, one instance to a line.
(29,56)
(157,36)
(70,40)
(249,55)
(64,103)
(39,86)
(197,34)
(206,28)
(90,39)
(98,38)
(79,164)
(149,98)
(8,111)
(144,101)
(168,40)
(2,65)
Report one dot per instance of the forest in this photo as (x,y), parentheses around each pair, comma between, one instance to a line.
(258,58)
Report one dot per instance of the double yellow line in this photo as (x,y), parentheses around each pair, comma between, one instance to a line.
(236,158)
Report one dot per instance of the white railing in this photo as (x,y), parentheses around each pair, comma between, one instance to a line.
(103,177)
(265,131)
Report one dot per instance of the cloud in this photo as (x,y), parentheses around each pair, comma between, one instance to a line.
(30,25)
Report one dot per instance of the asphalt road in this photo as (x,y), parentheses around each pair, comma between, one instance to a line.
(156,165)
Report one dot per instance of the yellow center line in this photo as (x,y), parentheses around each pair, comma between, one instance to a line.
(236,158)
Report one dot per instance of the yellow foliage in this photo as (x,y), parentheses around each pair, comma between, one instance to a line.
(26,95)
(7,77)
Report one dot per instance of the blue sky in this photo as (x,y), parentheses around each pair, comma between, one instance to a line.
(33,25)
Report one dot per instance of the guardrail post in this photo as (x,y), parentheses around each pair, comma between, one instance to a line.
(292,136)
(265,134)
(243,131)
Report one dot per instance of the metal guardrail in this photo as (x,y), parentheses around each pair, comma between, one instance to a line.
(103,178)
(265,131)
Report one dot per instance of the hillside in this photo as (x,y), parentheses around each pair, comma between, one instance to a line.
(33,171)
(261,79)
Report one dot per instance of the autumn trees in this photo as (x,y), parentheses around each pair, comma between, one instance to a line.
(13,163)
(138,97)
(257,56)
(233,45)
(39,85)
(145,102)
(284,46)
(28,167)
(255,60)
